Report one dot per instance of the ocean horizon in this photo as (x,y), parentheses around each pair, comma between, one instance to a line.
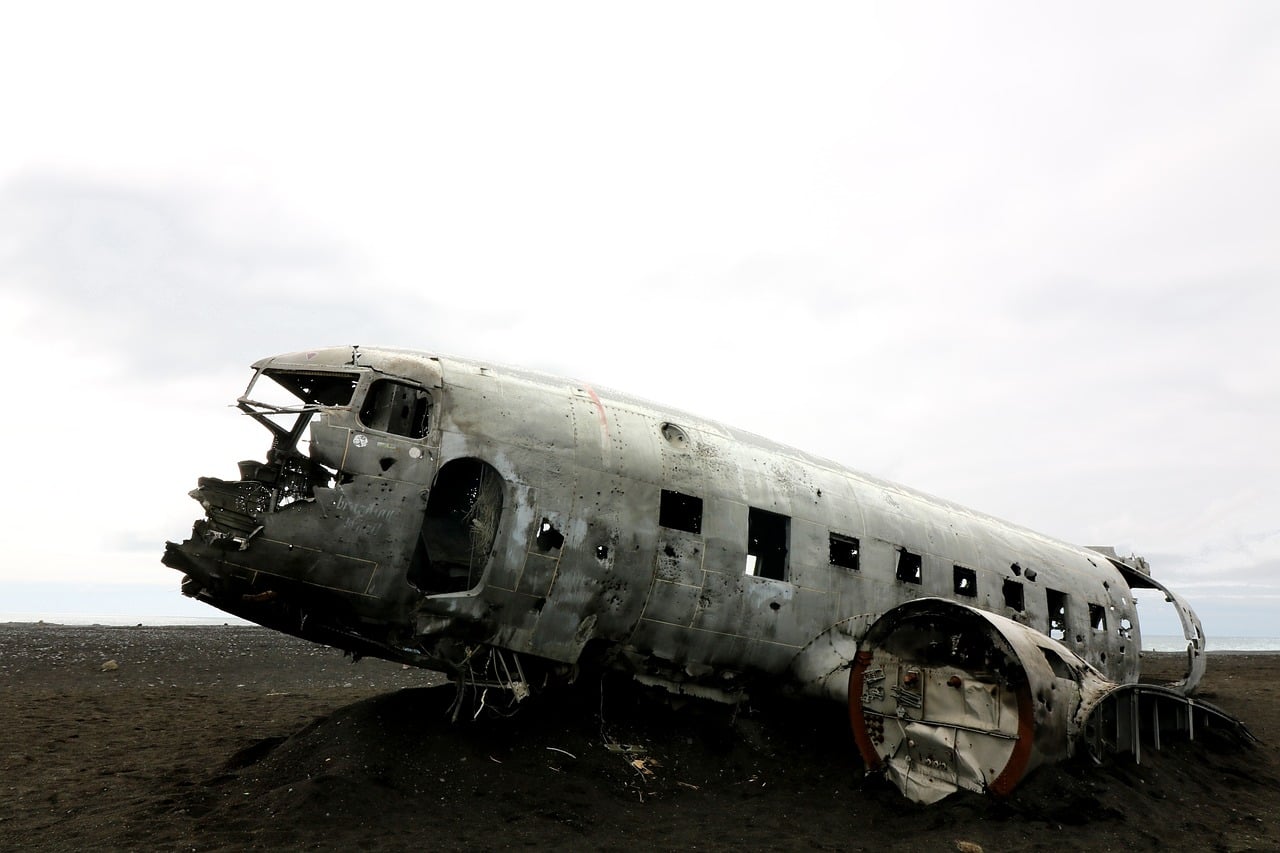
(1172,643)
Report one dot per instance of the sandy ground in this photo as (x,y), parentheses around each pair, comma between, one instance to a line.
(229,738)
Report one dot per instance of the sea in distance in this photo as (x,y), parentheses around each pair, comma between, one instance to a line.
(1170,643)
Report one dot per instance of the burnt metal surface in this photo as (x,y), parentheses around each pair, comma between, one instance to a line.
(508,527)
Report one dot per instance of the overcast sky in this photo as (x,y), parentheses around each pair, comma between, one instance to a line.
(1025,258)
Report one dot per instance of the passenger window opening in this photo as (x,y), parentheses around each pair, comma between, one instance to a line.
(910,567)
(1098,617)
(768,536)
(680,512)
(966,581)
(1057,613)
(397,408)
(1013,596)
(843,551)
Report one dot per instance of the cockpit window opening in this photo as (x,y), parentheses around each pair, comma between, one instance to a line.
(317,388)
(1098,617)
(396,407)
(285,401)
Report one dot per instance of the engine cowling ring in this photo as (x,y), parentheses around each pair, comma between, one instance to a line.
(944,697)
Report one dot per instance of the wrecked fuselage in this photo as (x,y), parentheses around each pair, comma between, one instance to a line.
(506,527)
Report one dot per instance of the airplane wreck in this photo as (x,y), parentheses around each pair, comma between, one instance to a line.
(508,528)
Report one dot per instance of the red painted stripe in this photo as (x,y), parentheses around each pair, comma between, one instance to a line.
(857,720)
(604,420)
(1016,767)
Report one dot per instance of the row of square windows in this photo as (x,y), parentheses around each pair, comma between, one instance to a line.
(767,540)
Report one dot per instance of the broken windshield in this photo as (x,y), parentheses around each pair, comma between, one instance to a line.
(316,388)
(286,403)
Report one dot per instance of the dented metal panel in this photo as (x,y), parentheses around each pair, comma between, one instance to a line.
(945,696)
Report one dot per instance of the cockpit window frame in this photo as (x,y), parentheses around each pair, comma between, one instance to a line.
(288,421)
(327,399)
(416,423)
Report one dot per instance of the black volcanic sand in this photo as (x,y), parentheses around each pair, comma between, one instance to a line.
(224,738)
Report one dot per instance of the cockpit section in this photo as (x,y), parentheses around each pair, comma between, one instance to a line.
(325,425)
(333,535)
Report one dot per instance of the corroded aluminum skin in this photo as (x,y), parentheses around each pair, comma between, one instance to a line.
(669,605)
